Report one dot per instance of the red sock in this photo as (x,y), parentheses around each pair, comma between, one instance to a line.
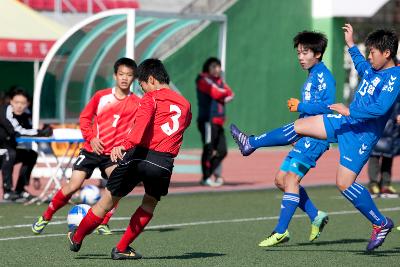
(59,200)
(138,221)
(108,215)
(87,225)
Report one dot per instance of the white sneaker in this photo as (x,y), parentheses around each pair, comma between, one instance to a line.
(219,180)
(209,182)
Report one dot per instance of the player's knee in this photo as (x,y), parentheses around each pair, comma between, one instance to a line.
(279,182)
(69,189)
(342,185)
(291,181)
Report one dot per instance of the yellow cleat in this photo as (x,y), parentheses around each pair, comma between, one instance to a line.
(318,225)
(274,239)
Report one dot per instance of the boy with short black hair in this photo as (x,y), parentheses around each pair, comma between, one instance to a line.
(145,155)
(317,93)
(356,129)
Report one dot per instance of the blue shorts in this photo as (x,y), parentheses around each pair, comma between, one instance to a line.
(355,145)
(304,156)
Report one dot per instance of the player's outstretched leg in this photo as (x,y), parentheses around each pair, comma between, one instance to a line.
(278,137)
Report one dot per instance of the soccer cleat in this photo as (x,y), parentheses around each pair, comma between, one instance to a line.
(318,225)
(128,254)
(379,234)
(73,246)
(275,239)
(103,229)
(39,225)
(242,140)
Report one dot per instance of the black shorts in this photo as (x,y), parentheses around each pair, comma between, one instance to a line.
(152,168)
(88,161)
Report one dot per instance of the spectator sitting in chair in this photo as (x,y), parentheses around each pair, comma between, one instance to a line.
(15,120)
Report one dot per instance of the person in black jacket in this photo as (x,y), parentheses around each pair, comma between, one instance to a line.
(381,160)
(15,121)
(212,95)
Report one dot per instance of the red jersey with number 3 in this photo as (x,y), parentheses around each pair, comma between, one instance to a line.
(161,119)
(107,118)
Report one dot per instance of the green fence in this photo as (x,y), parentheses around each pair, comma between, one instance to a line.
(262,66)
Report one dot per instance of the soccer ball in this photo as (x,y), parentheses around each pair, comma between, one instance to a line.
(76,214)
(90,194)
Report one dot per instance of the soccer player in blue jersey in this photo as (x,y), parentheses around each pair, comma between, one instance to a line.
(356,128)
(317,93)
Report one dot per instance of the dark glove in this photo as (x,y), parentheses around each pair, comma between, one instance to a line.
(46,131)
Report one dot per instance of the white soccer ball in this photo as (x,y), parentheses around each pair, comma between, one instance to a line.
(76,214)
(90,194)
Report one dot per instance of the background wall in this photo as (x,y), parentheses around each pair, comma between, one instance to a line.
(262,66)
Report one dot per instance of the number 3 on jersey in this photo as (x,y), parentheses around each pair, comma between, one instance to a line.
(175,123)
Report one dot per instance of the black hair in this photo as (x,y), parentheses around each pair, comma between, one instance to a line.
(152,67)
(209,61)
(383,39)
(124,61)
(315,41)
(17,90)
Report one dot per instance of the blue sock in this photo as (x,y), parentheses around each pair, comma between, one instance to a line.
(307,205)
(361,199)
(279,137)
(289,204)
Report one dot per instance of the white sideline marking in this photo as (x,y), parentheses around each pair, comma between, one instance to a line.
(164,226)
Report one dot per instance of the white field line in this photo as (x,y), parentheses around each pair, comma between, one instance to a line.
(164,226)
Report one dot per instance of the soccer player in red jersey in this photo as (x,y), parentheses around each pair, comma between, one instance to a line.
(104,122)
(150,149)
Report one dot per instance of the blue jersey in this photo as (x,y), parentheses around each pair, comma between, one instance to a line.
(317,93)
(375,96)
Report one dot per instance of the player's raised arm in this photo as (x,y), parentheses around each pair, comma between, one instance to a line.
(348,35)
(360,63)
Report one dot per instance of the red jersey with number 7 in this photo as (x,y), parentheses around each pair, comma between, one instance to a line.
(161,119)
(107,118)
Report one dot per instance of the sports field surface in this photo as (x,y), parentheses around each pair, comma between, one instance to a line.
(207,229)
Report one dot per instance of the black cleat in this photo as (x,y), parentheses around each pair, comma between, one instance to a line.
(129,254)
(73,246)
